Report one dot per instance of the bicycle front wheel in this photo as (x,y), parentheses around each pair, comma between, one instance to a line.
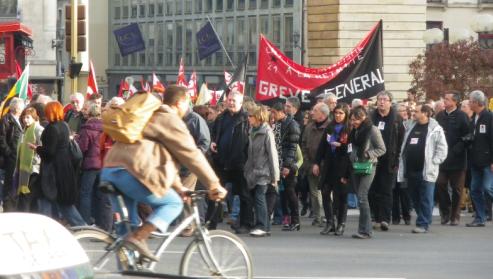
(227,250)
(96,243)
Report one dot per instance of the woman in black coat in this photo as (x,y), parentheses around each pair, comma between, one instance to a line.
(58,173)
(333,156)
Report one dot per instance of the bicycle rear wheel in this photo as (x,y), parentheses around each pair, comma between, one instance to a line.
(227,250)
(96,242)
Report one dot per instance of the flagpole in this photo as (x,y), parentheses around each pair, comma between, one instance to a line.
(221,42)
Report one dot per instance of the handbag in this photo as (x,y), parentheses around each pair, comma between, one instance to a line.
(362,168)
(75,151)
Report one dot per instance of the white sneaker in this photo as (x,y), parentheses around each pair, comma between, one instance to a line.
(258,233)
(419,230)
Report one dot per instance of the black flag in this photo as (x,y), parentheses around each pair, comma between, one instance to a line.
(363,78)
(238,80)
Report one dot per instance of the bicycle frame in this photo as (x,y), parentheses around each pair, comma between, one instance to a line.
(200,235)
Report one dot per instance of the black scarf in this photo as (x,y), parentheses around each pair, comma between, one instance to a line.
(359,137)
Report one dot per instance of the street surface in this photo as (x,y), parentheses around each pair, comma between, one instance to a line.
(445,252)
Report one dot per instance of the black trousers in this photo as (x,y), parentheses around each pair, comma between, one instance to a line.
(338,206)
(450,206)
(289,199)
(380,194)
(240,188)
(401,203)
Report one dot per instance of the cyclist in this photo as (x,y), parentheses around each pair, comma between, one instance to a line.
(147,170)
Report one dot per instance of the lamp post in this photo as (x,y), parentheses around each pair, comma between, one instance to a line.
(483,25)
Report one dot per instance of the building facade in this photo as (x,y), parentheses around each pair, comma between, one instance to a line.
(40,17)
(315,33)
(169,28)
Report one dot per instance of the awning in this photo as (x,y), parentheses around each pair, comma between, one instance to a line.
(15,26)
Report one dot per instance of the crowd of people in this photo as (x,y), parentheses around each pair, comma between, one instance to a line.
(278,163)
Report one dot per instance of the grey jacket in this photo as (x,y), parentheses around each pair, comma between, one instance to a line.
(435,151)
(262,165)
(375,147)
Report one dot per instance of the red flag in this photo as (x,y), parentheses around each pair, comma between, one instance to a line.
(156,84)
(216,95)
(123,87)
(181,81)
(92,85)
(18,72)
(192,86)
(279,77)
(145,85)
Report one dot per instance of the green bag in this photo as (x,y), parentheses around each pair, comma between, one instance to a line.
(362,168)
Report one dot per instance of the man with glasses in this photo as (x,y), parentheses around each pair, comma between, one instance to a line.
(388,121)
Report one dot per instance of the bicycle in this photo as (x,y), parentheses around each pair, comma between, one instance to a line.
(211,254)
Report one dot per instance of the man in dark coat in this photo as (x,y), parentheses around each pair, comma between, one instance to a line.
(387,120)
(481,155)
(455,124)
(10,135)
(230,147)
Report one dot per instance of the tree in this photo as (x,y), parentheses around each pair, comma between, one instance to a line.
(462,66)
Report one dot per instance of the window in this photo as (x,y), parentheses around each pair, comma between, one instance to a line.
(160,9)
(142,59)
(230,5)
(434,24)
(288,36)
(179,40)
(264,4)
(188,42)
(188,6)
(230,37)
(276,30)
(151,10)
(219,5)
(198,7)
(117,59)
(133,59)
(179,7)
(125,61)
(208,6)
(169,43)
(240,34)
(125,11)
(252,5)
(150,48)
(117,12)
(142,10)
(160,43)
(252,40)
(264,25)
(134,11)
(289,3)
(276,3)
(241,5)
(169,7)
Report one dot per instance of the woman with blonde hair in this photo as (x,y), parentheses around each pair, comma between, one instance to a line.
(262,166)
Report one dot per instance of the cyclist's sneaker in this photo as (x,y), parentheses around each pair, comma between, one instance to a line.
(259,233)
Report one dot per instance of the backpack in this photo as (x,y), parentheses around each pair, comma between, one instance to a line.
(126,122)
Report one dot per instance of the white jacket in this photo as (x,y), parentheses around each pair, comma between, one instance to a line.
(435,151)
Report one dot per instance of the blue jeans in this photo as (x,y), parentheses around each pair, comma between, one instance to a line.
(94,205)
(165,209)
(482,182)
(261,208)
(234,202)
(53,209)
(421,192)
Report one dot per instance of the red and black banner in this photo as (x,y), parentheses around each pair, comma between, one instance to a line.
(359,74)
